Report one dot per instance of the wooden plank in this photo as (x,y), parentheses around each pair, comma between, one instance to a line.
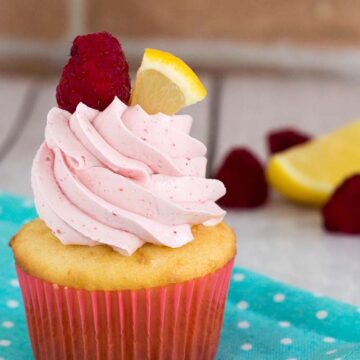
(287,242)
(12,95)
(16,166)
(201,111)
(253,105)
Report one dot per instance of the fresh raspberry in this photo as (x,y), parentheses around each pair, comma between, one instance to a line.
(342,212)
(282,139)
(97,71)
(244,178)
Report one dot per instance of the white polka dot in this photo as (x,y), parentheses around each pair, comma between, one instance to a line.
(12,304)
(243,325)
(328,339)
(1,358)
(7,324)
(246,347)
(358,310)
(26,221)
(284,324)
(14,282)
(339,358)
(330,352)
(239,277)
(279,298)
(322,314)
(242,305)
(291,359)
(318,295)
(5,343)
(27,203)
(286,341)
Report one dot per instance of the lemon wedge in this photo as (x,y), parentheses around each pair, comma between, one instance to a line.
(164,83)
(309,173)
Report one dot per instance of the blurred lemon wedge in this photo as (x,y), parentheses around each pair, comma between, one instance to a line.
(164,83)
(309,173)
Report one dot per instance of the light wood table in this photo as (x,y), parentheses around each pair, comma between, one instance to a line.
(280,240)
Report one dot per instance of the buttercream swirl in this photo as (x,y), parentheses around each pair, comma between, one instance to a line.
(122,177)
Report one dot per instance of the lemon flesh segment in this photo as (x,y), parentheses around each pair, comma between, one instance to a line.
(156,93)
(309,173)
(164,83)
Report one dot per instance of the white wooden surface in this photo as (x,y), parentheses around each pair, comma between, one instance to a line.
(281,240)
(12,92)
(287,242)
(201,112)
(15,167)
(251,105)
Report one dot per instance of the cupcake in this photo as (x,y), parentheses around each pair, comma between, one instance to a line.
(130,257)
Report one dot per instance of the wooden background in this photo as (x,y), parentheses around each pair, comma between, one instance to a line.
(35,36)
(325,22)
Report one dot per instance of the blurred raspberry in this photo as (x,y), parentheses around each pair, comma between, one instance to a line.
(244,179)
(97,71)
(342,212)
(282,139)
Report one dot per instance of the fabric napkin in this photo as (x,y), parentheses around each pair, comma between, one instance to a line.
(264,319)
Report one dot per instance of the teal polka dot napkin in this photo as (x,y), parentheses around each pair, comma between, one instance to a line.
(264,319)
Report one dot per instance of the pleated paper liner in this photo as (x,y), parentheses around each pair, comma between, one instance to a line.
(175,322)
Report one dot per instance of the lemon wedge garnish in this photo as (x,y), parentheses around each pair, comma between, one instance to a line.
(164,83)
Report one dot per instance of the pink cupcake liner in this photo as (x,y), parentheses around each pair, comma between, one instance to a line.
(180,321)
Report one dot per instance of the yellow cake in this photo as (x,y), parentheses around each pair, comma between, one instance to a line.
(39,253)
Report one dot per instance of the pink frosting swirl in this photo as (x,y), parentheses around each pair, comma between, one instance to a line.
(122,177)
